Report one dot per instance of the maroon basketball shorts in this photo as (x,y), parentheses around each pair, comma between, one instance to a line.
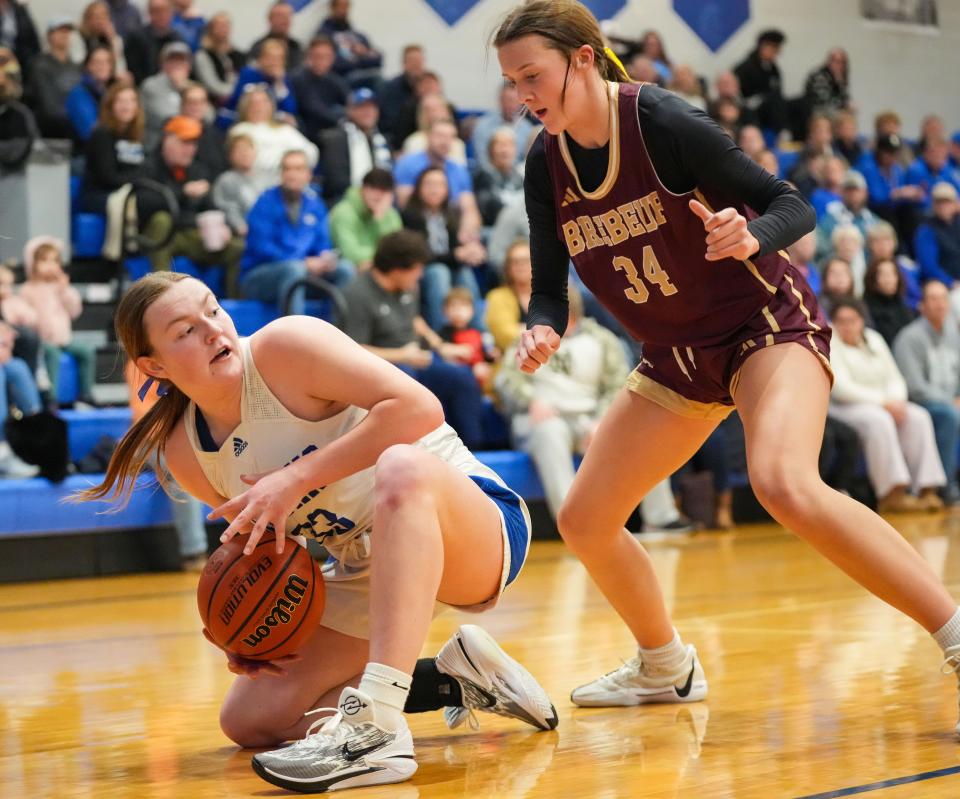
(700,382)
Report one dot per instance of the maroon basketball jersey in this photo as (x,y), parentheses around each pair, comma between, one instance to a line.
(641,250)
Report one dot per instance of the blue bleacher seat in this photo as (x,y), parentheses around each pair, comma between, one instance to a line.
(87,233)
(136,266)
(249,315)
(68,383)
(139,265)
(36,507)
(84,428)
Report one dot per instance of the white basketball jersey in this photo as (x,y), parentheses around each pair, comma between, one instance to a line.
(339,515)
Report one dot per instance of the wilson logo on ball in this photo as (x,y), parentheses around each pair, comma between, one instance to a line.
(281,612)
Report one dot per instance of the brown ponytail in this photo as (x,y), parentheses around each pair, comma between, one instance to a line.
(147,437)
(565,25)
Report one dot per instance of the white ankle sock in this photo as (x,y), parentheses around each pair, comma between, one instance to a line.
(667,658)
(949,634)
(388,688)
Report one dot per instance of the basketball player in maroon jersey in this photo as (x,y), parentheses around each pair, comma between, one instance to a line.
(679,235)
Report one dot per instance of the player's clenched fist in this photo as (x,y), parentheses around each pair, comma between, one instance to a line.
(536,347)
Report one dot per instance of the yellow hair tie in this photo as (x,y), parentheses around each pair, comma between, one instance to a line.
(613,57)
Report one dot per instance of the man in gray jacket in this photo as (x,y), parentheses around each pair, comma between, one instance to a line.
(928,354)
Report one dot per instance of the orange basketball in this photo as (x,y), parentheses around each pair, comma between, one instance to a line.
(263,605)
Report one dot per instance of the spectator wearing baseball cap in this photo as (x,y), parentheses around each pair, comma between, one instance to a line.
(352,148)
(175,165)
(321,93)
(937,242)
(142,47)
(851,210)
(53,74)
(160,93)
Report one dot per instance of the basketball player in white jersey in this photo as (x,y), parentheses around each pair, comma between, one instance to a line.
(300,430)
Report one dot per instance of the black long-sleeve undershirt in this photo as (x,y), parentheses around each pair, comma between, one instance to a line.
(688,150)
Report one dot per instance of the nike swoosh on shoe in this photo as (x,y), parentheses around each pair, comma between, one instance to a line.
(684,692)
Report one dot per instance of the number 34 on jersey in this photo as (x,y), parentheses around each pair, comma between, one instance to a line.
(638,218)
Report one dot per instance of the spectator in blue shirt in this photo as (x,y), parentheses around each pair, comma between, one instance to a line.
(851,210)
(288,238)
(831,185)
(83,101)
(931,168)
(189,23)
(891,196)
(440,139)
(270,72)
(937,243)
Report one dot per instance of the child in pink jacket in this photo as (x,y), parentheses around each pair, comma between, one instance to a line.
(56,303)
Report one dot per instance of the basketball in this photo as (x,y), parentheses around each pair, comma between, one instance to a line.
(263,605)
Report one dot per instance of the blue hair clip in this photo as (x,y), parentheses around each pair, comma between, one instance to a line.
(162,390)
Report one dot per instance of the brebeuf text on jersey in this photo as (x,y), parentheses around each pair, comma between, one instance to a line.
(608,229)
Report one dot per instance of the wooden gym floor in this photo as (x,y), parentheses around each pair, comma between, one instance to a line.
(108,690)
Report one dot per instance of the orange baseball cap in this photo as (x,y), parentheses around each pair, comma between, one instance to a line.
(183,127)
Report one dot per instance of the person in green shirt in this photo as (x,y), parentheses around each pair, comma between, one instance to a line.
(363,217)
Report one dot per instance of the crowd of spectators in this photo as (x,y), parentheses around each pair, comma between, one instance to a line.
(299,162)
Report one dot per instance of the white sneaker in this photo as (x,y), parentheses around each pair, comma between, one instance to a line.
(345,750)
(951,663)
(491,681)
(11,467)
(634,683)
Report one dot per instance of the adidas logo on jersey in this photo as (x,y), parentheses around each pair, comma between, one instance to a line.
(569,197)
(239,445)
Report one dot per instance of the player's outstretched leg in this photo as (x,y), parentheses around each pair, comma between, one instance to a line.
(783,438)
